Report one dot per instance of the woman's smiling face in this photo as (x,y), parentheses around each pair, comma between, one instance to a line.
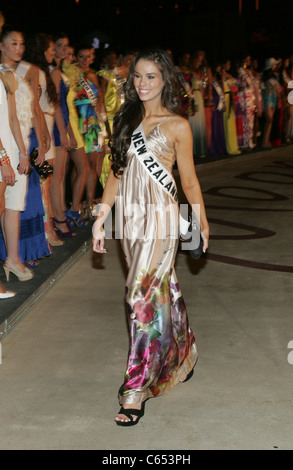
(148,80)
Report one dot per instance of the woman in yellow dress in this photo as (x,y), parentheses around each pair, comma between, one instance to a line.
(113,76)
(229,114)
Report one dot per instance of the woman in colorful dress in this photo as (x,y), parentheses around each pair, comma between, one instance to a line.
(198,120)
(89,104)
(78,156)
(270,93)
(162,351)
(247,102)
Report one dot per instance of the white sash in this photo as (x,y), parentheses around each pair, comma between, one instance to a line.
(88,89)
(160,175)
(154,168)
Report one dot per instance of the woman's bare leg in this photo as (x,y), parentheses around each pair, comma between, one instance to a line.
(56,190)
(269,114)
(92,177)
(11,226)
(81,171)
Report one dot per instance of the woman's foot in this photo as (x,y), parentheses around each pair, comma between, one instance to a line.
(188,377)
(53,240)
(32,264)
(17,265)
(129,415)
(61,228)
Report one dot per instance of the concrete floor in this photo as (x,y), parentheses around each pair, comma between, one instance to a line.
(64,362)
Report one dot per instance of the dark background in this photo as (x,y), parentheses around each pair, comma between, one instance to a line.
(216,27)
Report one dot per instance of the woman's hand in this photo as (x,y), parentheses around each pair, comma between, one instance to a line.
(205,233)
(99,238)
(41,155)
(23,166)
(73,142)
(8,175)
(65,144)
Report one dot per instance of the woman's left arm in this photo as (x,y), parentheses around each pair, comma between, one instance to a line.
(188,177)
(33,77)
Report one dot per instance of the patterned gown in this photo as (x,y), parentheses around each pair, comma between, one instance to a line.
(162,345)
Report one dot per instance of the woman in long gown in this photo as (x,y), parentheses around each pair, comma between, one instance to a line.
(198,119)
(230,89)
(218,138)
(162,345)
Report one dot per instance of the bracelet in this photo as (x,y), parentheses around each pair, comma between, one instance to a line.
(5,161)
(3,153)
(22,156)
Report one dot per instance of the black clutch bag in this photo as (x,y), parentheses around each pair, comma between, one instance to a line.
(192,239)
(45,170)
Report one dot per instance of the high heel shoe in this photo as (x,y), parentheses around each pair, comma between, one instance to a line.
(53,240)
(74,218)
(129,413)
(59,233)
(27,275)
(7,295)
(188,377)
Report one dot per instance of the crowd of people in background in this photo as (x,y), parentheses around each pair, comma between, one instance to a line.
(57,105)
(235,108)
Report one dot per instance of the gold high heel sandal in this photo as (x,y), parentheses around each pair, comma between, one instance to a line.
(22,276)
(53,240)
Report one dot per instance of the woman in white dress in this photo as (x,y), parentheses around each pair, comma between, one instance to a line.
(7,175)
(20,111)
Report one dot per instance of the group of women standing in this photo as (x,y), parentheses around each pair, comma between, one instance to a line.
(231,111)
(52,111)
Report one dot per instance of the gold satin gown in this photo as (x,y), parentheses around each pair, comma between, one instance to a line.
(162,345)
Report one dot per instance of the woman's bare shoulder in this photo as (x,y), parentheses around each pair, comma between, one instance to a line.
(178,126)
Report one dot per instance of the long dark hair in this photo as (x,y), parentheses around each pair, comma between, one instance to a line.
(35,54)
(132,112)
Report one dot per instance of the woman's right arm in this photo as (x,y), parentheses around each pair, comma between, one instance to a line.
(6,171)
(108,201)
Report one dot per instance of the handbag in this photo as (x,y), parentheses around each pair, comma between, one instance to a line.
(193,238)
(43,171)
